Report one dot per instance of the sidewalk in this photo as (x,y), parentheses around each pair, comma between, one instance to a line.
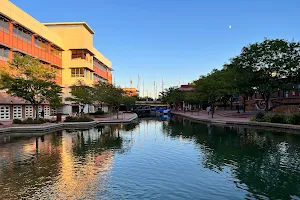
(7,126)
(219,115)
(233,118)
(123,118)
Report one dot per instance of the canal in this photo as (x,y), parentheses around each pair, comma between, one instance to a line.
(152,159)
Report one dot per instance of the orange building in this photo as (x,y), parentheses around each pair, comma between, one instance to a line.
(66,47)
(131,91)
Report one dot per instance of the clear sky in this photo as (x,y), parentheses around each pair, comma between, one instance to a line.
(172,38)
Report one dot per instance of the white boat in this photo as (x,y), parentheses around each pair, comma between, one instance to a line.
(167,111)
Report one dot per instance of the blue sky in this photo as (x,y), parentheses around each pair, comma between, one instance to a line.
(172,38)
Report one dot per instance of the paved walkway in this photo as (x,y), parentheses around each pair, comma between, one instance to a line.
(123,117)
(232,118)
(220,115)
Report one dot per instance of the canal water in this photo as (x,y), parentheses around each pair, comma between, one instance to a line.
(152,159)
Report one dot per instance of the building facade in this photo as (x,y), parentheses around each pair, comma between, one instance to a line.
(65,47)
(131,92)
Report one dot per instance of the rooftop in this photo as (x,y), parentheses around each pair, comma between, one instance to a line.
(70,24)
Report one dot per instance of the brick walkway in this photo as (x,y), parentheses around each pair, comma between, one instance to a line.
(220,115)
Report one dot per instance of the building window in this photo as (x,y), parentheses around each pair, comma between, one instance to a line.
(22,34)
(100,65)
(4,112)
(4,54)
(77,72)
(78,54)
(286,94)
(55,52)
(41,44)
(17,112)
(91,75)
(4,25)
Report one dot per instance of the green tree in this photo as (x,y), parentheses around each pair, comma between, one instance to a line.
(212,87)
(25,77)
(276,64)
(81,94)
(128,101)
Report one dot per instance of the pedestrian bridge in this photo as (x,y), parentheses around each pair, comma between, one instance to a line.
(150,103)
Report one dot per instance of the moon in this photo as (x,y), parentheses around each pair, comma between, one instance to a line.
(229,26)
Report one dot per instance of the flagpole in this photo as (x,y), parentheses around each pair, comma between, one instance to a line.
(143,89)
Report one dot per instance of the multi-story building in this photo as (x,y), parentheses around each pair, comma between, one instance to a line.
(65,47)
(131,91)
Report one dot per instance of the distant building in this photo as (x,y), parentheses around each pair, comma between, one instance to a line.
(131,91)
(187,87)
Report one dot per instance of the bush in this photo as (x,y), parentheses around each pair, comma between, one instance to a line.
(17,121)
(278,118)
(294,119)
(78,119)
(98,112)
(31,121)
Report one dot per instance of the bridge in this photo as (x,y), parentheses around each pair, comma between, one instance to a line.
(150,103)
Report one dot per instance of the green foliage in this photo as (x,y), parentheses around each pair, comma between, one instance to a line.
(81,93)
(98,112)
(31,121)
(108,93)
(83,118)
(294,119)
(277,118)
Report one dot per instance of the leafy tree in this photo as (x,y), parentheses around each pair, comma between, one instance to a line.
(276,64)
(81,94)
(241,80)
(128,101)
(212,87)
(25,77)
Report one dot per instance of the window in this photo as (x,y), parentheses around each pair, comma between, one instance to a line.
(4,112)
(55,52)
(41,44)
(77,72)
(78,54)
(91,75)
(17,112)
(4,25)
(22,34)
(286,93)
(4,54)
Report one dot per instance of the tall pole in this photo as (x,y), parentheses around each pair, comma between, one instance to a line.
(156,92)
(130,82)
(162,85)
(154,87)
(143,89)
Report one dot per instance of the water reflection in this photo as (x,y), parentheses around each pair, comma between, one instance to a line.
(60,165)
(264,163)
(155,158)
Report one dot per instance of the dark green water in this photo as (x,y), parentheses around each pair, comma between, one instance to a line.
(152,159)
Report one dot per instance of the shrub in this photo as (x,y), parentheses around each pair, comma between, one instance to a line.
(78,119)
(294,119)
(98,112)
(31,121)
(17,121)
(278,118)
(260,116)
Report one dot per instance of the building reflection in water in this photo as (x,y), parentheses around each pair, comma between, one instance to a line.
(60,165)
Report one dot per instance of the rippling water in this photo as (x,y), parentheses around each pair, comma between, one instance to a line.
(152,159)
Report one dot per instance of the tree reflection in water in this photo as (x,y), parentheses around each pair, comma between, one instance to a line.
(59,165)
(263,162)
